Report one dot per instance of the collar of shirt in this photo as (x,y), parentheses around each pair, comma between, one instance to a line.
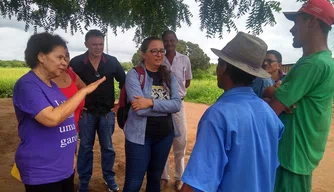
(281,74)
(177,55)
(238,91)
(86,58)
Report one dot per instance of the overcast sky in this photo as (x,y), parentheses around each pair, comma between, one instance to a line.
(13,38)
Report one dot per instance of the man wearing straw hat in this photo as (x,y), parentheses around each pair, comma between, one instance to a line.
(237,139)
(309,87)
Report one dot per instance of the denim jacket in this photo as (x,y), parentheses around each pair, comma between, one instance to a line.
(135,126)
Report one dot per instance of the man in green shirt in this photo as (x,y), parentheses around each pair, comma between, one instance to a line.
(309,88)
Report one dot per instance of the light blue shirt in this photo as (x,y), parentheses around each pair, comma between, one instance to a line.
(236,145)
(259,84)
(135,126)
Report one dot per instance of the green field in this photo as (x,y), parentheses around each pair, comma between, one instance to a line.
(8,78)
(203,90)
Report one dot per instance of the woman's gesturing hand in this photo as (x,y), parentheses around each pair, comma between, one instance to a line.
(91,87)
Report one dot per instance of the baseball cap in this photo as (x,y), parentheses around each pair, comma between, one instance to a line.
(321,9)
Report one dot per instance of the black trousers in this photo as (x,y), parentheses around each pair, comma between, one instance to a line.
(66,185)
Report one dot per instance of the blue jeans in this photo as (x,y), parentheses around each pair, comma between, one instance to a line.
(104,125)
(150,158)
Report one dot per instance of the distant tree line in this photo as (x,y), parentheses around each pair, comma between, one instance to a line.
(201,67)
(126,65)
(12,64)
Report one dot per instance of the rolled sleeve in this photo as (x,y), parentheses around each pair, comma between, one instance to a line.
(188,74)
(298,83)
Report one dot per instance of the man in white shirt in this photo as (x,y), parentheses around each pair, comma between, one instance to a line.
(180,66)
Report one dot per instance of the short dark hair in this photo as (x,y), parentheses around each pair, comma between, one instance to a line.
(277,55)
(146,43)
(323,26)
(41,43)
(237,75)
(168,32)
(93,33)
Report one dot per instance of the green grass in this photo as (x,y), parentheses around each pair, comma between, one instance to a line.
(203,91)
(203,88)
(8,77)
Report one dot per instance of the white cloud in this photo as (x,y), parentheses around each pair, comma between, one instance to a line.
(14,39)
(13,43)
(11,23)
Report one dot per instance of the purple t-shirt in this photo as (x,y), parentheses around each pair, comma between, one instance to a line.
(45,154)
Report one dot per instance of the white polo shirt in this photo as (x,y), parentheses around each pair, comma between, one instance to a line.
(181,68)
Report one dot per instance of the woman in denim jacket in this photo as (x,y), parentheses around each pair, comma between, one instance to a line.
(150,128)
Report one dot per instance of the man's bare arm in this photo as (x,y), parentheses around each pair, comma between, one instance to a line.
(187,83)
(186,188)
(277,106)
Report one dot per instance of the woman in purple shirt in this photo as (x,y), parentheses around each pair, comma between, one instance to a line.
(46,125)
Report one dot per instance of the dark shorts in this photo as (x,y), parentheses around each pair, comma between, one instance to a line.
(65,185)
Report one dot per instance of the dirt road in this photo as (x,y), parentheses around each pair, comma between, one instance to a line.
(323,178)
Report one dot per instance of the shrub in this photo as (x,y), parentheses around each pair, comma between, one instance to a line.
(12,64)
(203,75)
(203,91)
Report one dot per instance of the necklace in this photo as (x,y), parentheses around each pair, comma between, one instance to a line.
(64,79)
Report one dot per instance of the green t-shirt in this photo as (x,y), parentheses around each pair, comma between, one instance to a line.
(310,86)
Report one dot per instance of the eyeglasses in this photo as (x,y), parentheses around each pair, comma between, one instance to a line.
(156,51)
(269,61)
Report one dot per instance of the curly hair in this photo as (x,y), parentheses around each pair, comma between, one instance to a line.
(41,43)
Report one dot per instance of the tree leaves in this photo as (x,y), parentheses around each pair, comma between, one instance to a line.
(148,17)
(217,15)
(198,59)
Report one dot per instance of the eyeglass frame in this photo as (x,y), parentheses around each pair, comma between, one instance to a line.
(155,52)
(269,61)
